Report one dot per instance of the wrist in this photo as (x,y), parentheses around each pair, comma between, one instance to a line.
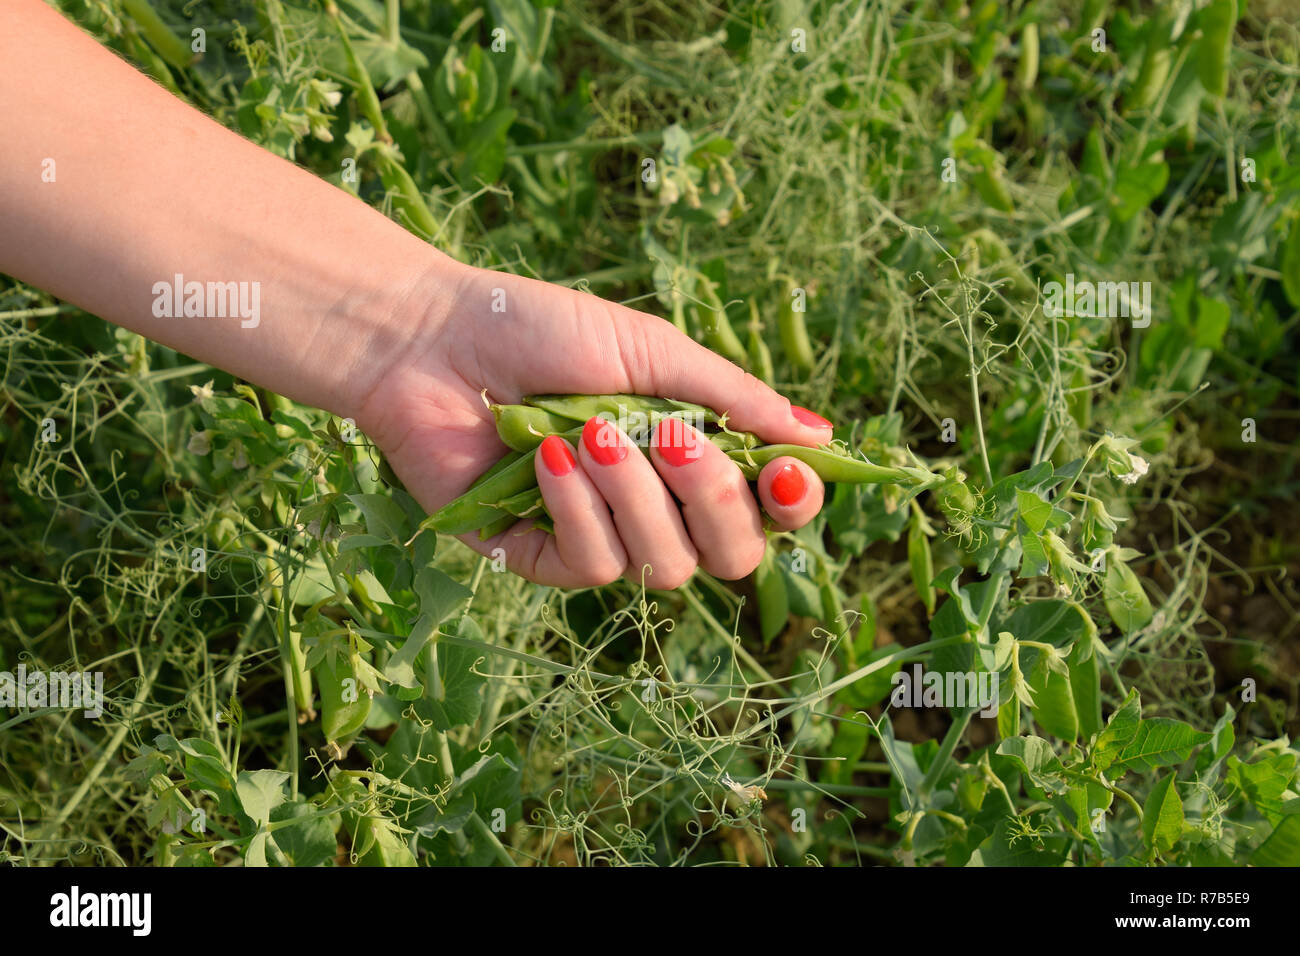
(403,330)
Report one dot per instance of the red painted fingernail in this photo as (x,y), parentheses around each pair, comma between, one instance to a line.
(676,443)
(556,456)
(811,419)
(604,443)
(788,485)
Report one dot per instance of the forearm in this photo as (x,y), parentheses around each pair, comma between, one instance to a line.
(145,188)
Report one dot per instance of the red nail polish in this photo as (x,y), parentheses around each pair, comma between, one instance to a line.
(556,456)
(676,443)
(788,485)
(811,419)
(604,443)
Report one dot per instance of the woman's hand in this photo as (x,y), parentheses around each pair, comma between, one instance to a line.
(145,192)
(617,511)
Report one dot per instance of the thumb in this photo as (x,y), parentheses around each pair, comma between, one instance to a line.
(662,361)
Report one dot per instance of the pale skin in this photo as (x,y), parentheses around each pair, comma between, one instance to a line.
(366,320)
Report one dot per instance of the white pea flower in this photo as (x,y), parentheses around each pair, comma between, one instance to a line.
(1140,468)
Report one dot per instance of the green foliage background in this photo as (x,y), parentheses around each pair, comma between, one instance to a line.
(513,724)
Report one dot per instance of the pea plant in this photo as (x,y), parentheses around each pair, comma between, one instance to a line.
(1043,618)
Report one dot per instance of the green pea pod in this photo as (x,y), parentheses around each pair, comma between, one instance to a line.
(718,333)
(503,463)
(1094,15)
(1125,599)
(733,441)
(408,199)
(1054,708)
(150,61)
(794,334)
(773,599)
(523,504)
(1289,264)
(173,50)
(344,707)
(579,408)
(1085,686)
(921,561)
(472,510)
(1218,22)
(367,98)
(1027,67)
(522,427)
(993,188)
(494,528)
(1156,60)
(760,356)
(679,313)
(1094,162)
(828,465)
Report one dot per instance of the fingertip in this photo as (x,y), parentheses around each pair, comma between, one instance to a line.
(791,492)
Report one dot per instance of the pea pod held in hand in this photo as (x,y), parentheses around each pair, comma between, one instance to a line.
(509,491)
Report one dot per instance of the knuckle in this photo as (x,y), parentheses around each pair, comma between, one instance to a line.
(726,493)
(739,561)
(605,571)
(670,575)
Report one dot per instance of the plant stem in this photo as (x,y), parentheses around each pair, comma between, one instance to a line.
(486,832)
(940,763)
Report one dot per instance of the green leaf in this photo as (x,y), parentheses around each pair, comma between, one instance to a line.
(260,792)
(1119,730)
(847,747)
(1264,781)
(1033,561)
(1009,719)
(308,842)
(1282,848)
(493,782)
(802,593)
(384,518)
(440,596)
(486,157)
(456,699)
(1159,742)
(1224,738)
(1136,187)
(1162,815)
(1036,759)
(1034,509)
(1004,847)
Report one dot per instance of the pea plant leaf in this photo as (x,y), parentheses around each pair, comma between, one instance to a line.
(1121,728)
(384,518)
(1282,848)
(260,792)
(309,840)
(1034,510)
(1264,781)
(1162,815)
(439,596)
(456,697)
(1036,760)
(1159,742)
